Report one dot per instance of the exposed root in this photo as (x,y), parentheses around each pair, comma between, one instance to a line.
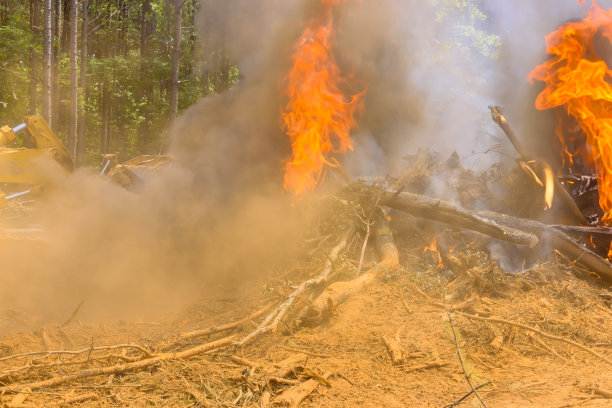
(271,322)
(324,305)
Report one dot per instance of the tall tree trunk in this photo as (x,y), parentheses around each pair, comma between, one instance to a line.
(74,80)
(104,108)
(48,62)
(83,107)
(146,91)
(176,59)
(57,32)
(57,72)
(34,59)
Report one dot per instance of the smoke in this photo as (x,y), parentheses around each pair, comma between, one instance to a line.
(217,220)
(432,68)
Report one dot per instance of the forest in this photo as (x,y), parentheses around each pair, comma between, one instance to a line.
(107,75)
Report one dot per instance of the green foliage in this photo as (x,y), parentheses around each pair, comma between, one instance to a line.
(127,98)
(465,17)
(16,40)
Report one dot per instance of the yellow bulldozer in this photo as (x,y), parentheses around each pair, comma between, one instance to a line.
(25,170)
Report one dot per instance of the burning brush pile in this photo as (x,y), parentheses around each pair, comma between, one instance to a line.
(502,237)
(566,214)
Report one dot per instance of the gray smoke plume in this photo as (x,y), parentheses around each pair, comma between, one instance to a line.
(219,217)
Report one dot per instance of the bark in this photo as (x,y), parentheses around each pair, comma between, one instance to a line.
(487,222)
(104,108)
(47,88)
(176,60)
(146,91)
(502,122)
(74,84)
(35,11)
(83,110)
(447,212)
(58,23)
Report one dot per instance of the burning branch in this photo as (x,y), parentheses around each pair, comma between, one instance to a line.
(518,230)
(502,122)
(445,211)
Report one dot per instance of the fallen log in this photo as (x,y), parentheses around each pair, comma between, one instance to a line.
(497,225)
(449,213)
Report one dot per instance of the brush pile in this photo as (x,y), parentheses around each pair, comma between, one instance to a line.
(397,299)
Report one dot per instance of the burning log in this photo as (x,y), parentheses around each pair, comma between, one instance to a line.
(445,211)
(502,122)
(501,226)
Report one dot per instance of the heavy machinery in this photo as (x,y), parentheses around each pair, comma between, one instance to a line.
(28,169)
(132,174)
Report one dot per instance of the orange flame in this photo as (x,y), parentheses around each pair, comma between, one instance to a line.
(577,81)
(318,113)
(433,247)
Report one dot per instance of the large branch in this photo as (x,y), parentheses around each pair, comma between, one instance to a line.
(506,227)
(120,369)
(447,212)
(502,122)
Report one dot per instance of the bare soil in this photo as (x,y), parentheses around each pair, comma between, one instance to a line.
(344,362)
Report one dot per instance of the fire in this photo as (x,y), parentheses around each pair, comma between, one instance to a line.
(577,86)
(319,115)
(433,247)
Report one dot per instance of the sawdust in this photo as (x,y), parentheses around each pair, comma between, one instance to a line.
(344,361)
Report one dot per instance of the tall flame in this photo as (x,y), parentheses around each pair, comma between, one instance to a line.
(319,116)
(577,84)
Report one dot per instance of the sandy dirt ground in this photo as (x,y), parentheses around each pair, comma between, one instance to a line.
(539,339)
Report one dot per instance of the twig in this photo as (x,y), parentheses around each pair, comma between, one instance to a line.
(88,349)
(74,313)
(65,402)
(29,367)
(601,392)
(243,361)
(467,376)
(538,331)
(460,400)
(212,330)
(295,395)
(225,327)
(120,369)
(466,304)
(426,366)
(363,248)
(310,353)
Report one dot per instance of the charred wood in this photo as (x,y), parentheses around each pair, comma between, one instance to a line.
(502,122)
(499,226)
(449,213)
